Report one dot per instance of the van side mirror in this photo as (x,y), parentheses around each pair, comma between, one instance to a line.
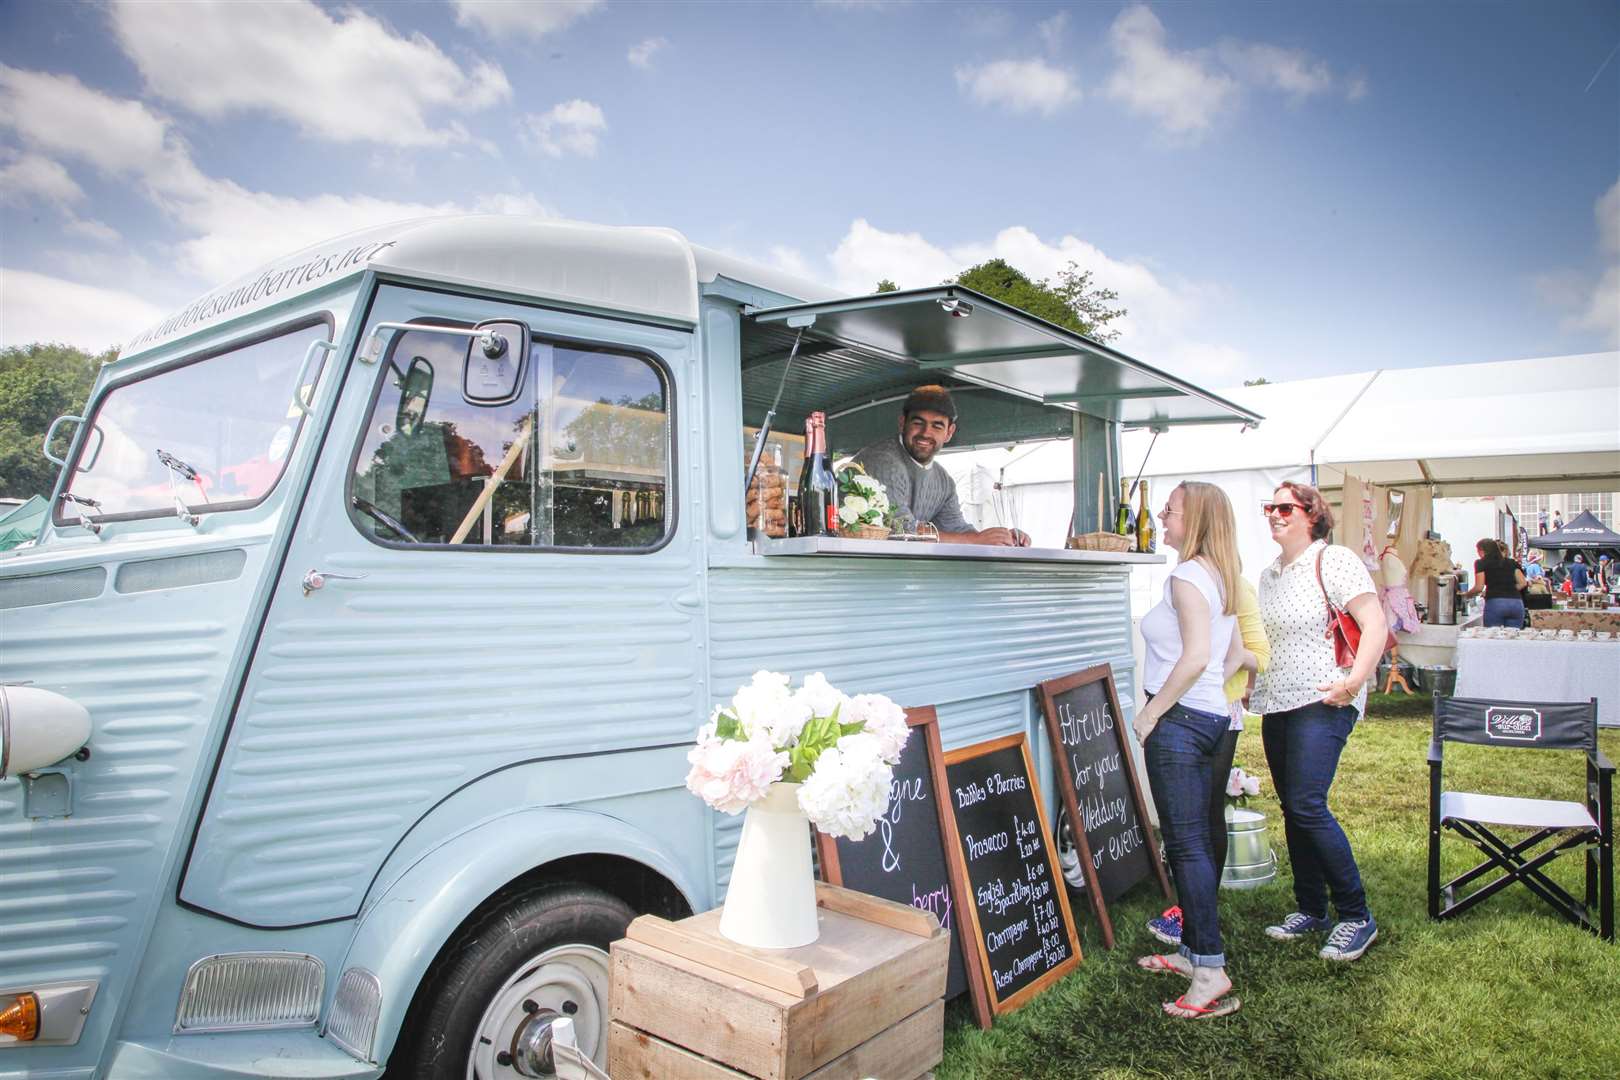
(415,391)
(493,373)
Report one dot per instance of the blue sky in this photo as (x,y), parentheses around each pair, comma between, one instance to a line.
(1274,189)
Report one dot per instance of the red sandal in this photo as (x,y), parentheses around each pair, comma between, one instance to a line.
(1225,1006)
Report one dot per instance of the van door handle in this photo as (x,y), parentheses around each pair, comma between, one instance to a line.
(689,600)
(316,579)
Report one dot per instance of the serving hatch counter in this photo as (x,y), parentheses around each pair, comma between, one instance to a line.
(923,549)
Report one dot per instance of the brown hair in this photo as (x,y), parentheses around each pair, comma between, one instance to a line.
(1212,533)
(1315,507)
(1489,549)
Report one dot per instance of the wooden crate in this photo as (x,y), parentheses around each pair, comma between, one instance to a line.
(864,1000)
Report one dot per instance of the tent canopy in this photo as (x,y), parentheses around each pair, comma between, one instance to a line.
(22,523)
(1586,531)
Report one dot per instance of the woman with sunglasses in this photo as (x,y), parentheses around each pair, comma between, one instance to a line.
(1191,642)
(1310,705)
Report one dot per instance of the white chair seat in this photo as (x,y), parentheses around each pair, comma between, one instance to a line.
(1524,813)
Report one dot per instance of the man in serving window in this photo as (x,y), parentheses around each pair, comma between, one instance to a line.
(921,492)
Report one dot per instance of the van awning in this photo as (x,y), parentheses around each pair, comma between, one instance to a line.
(954,331)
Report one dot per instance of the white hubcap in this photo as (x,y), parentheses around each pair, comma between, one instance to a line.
(570,980)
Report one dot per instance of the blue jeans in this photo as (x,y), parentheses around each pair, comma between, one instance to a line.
(1302,750)
(1505,611)
(1182,753)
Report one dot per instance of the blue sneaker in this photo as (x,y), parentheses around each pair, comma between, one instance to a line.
(1349,940)
(1167,927)
(1296,926)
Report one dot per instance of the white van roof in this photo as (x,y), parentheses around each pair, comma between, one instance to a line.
(650,273)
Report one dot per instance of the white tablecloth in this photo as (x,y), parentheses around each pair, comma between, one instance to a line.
(1542,671)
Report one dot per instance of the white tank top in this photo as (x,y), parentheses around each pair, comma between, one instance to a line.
(1161,633)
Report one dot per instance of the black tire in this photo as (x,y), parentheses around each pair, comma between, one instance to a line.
(436,1042)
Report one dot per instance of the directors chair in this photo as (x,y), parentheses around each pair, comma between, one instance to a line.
(1554,827)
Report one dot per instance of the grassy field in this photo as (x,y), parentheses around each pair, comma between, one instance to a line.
(1507,990)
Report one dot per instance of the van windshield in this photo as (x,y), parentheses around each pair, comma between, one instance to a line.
(229,418)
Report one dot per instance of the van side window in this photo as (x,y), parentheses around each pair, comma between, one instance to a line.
(579,460)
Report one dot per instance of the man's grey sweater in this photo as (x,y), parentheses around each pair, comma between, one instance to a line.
(917,493)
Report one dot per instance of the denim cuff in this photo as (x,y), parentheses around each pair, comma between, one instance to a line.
(1218,960)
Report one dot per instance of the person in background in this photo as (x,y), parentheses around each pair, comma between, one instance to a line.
(1580,574)
(1191,640)
(1501,580)
(1541,522)
(1246,662)
(1311,705)
(1558,520)
(1605,574)
(1533,570)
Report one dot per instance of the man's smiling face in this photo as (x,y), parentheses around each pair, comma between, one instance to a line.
(925,433)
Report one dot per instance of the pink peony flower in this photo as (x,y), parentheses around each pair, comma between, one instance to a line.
(729,774)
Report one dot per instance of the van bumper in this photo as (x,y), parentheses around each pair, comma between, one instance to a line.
(246,1055)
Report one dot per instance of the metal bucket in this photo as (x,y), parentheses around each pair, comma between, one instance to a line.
(1439,679)
(1250,862)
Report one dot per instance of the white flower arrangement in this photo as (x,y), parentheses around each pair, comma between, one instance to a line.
(1239,786)
(841,750)
(862,500)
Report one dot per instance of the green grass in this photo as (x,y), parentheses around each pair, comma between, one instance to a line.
(1508,989)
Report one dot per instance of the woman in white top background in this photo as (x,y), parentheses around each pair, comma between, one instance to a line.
(1311,705)
(1191,642)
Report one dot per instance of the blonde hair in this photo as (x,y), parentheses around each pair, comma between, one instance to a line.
(1211,532)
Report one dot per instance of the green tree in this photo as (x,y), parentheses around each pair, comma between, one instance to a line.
(1072,301)
(887,286)
(1257,382)
(38,383)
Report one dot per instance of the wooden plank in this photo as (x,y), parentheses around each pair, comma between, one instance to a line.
(875,909)
(831,1023)
(711,1012)
(910,1048)
(755,965)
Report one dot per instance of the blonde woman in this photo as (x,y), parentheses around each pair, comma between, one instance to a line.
(1191,640)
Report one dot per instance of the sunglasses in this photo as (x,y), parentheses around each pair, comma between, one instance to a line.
(1282,510)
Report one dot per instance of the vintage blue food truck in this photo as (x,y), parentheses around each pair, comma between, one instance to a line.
(350,680)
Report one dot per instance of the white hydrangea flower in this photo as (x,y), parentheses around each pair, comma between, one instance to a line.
(766,707)
(857,504)
(885,722)
(848,790)
(820,698)
(847,514)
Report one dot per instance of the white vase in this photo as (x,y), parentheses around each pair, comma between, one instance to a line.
(771,902)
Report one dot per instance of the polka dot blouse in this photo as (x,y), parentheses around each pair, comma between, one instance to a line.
(1296,619)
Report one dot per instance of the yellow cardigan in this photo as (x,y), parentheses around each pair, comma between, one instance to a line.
(1253,629)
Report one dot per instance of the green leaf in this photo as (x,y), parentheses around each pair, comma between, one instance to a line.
(851,729)
(727,726)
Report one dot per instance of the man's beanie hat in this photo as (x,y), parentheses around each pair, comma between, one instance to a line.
(930,399)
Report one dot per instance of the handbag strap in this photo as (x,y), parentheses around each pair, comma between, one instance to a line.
(1333,612)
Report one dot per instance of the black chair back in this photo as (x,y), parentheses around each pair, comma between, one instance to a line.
(1564,725)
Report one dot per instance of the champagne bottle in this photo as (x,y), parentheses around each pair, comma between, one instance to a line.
(1146,536)
(1124,520)
(818,487)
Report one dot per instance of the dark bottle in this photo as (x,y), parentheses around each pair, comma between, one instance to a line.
(1124,519)
(818,488)
(1147,537)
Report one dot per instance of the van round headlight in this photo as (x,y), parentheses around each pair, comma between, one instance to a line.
(38,728)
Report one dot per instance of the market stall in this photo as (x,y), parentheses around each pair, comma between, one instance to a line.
(1530,666)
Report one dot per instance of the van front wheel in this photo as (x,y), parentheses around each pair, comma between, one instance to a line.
(546,949)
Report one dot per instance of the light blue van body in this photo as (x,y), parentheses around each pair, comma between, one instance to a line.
(348,772)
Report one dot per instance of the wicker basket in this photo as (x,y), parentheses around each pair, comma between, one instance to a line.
(1099,541)
(864,532)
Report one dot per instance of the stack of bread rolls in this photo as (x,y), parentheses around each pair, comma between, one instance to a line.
(767,501)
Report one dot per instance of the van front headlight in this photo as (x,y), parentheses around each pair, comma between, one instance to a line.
(38,728)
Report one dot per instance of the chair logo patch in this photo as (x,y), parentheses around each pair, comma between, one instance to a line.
(1518,724)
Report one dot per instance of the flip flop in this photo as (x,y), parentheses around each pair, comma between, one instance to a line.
(1225,1006)
(1160,962)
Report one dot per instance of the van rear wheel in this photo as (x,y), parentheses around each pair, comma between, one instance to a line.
(543,950)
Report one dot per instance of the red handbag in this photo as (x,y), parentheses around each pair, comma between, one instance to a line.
(1342,628)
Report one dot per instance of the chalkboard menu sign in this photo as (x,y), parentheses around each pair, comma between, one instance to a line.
(905,860)
(1102,801)
(1016,904)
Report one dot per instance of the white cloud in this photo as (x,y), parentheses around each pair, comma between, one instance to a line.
(91,229)
(1607,212)
(531,19)
(1181,90)
(1019,85)
(1052,30)
(1162,324)
(1292,71)
(346,77)
(574,127)
(1591,307)
(641,54)
(37,307)
(33,176)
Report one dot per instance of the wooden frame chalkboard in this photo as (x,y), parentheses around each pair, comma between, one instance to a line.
(871,865)
(1069,736)
(971,797)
